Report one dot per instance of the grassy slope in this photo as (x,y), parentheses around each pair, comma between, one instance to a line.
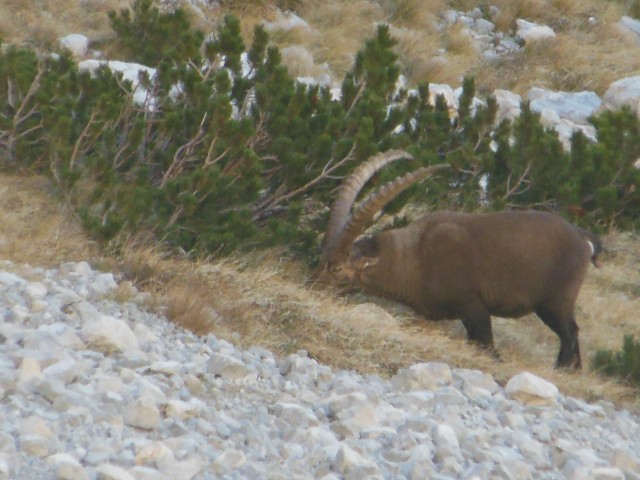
(266,300)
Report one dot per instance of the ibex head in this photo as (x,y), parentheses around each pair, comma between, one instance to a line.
(343,256)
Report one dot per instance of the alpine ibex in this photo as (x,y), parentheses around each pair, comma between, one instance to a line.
(469,266)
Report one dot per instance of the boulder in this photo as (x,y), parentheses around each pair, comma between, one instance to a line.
(623,93)
(78,44)
(531,390)
(530,32)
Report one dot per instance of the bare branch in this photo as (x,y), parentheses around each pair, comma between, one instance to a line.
(183,153)
(514,190)
(356,99)
(84,133)
(280,196)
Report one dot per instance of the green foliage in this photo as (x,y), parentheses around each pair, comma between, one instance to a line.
(149,36)
(607,180)
(623,364)
(232,153)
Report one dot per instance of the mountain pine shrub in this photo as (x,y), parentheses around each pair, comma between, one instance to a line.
(623,364)
(230,152)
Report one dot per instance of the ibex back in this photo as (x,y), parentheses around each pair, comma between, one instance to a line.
(468,266)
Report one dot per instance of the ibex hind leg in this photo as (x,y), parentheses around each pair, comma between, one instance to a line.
(479,331)
(564,325)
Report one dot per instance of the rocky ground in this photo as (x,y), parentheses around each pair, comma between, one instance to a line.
(93,386)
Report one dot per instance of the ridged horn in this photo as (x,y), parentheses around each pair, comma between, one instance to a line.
(350,189)
(357,223)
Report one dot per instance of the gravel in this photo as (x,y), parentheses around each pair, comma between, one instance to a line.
(92,387)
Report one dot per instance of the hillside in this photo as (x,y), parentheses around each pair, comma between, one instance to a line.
(591,48)
(266,298)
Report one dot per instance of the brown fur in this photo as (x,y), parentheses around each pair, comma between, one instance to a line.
(471,266)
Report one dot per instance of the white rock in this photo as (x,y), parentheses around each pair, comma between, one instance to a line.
(67,467)
(623,92)
(295,414)
(151,452)
(631,25)
(11,279)
(229,460)
(108,334)
(142,413)
(183,410)
(34,445)
(422,376)
(625,460)
(77,269)
(351,422)
(35,291)
(112,472)
(574,106)
(5,467)
(129,71)
(66,371)
(65,296)
(484,27)
(179,470)
(532,32)
(230,368)
(476,383)
(607,473)
(352,464)
(29,371)
(531,390)
(77,43)
(34,425)
(147,473)
(446,443)
(103,284)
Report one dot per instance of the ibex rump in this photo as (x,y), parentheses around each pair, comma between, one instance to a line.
(469,266)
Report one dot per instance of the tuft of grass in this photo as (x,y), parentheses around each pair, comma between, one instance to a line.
(343,26)
(415,14)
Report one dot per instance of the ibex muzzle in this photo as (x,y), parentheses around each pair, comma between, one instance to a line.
(469,266)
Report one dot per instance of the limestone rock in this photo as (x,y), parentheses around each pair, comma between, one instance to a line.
(422,376)
(112,472)
(623,93)
(108,334)
(142,413)
(532,32)
(531,390)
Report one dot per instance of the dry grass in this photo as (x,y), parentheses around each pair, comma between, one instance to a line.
(42,22)
(35,229)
